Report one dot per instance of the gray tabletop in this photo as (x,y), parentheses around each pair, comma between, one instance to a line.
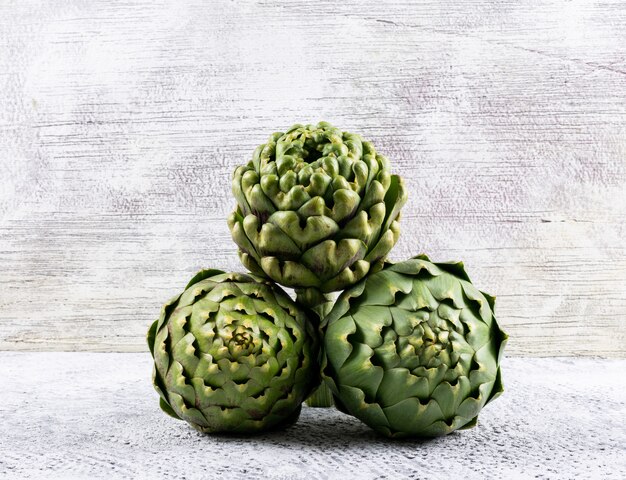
(95,415)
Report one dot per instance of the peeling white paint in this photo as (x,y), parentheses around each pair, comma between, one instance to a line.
(121,124)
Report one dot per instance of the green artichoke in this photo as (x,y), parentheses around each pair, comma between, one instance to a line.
(316,208)
(233,353)
(414,350)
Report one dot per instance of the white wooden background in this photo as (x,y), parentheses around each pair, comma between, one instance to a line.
(121,123)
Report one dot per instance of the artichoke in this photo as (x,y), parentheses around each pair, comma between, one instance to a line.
(414,350)
(316,208)
(233,353)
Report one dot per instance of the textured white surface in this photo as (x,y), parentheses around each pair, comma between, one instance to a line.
(121,123)
(95,415)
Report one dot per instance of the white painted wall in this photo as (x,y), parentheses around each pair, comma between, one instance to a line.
(121,123)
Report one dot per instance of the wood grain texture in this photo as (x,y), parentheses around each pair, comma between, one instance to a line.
(121,123)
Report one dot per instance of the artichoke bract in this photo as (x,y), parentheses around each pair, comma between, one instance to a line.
(414,349)
(233,353)
(316,208)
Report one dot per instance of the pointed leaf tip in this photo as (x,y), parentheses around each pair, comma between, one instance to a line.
(471,424)
(455,268)
(151,335)
(202,275)
(167,409)
(491,300)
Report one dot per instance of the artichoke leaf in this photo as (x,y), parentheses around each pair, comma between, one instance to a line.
(240,237)
(203,275)
(167,409)
(370,321)
(352,399)
(412,415)
(328,258)
(497,389)
(345,204)
(375,194)
(289,274)
(315,229)
(399,384)
(251,264)
(365,225)
(395,198)
(383,288)
(270,239)
(316,207)
(338,349)
(471,424)
(358,371)
(386,241)
(260,204)
(151,336)
(238,189)
(449,396)
(348,276)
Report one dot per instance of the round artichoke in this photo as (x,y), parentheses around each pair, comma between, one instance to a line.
(233,353)
(414,349)
(316,208)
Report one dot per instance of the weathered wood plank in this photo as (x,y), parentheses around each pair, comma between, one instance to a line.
(120,126)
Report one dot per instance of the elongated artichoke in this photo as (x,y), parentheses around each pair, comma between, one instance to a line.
(316,208)
(233,353)
(414,350)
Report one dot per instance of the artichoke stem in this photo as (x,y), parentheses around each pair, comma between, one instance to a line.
(316,301)
(310,297)
(322,397)
(320,304)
